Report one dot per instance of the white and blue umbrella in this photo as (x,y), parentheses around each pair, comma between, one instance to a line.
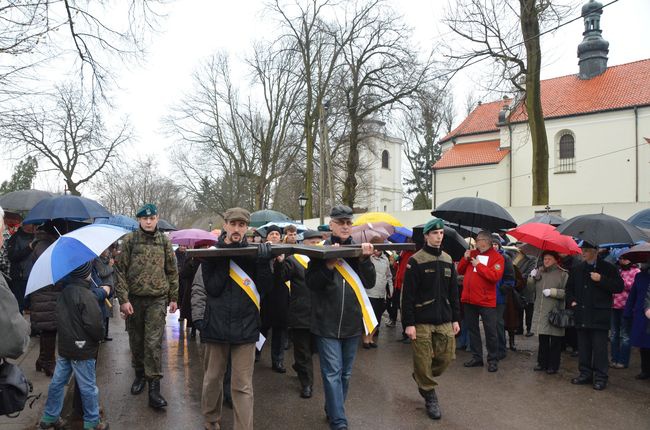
(71,251)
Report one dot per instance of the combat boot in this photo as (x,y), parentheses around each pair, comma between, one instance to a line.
(156,400)
(138,383)
(431,403)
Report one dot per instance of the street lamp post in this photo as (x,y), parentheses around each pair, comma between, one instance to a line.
(302,201)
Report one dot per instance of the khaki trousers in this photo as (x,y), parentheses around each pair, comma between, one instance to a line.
(433,349)
(215,362)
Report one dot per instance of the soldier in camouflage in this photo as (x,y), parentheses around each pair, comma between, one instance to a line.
(147,281)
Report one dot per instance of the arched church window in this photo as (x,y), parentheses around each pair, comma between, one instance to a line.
(566,152)
(384,159)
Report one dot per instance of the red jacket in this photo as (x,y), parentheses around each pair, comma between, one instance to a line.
(480,286)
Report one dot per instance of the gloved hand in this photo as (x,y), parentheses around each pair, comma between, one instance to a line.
(199,324)
(264,251)
(546,292)
(533,273)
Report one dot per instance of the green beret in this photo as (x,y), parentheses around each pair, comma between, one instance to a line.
(147,210)
(433,224)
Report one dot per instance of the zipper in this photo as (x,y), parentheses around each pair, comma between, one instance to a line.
(342,307)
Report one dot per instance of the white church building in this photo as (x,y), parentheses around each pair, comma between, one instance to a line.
(598,128)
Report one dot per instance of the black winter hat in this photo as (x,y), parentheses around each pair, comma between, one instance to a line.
(82,271)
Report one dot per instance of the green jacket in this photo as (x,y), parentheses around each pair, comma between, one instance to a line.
(146,267)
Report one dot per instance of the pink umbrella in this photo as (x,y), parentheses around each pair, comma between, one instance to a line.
(372,231)
(192,237)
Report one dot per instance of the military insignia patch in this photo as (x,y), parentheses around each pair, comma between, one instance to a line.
(497,266)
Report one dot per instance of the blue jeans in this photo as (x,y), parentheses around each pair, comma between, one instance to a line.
(336,360)
(84,373)
(620,338)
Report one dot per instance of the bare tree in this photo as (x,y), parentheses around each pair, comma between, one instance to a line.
(380,69)
(508,32)
(70,137)
(35,32)
(125,187)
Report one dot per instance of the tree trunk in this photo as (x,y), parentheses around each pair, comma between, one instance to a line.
(309,173)
(72,187)
(530,32)
(351,166)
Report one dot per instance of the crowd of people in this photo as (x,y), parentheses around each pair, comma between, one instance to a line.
(329,307)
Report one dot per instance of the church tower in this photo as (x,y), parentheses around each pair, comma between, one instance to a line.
(592,51)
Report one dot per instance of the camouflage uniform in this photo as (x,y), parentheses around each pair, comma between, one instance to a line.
(147,277)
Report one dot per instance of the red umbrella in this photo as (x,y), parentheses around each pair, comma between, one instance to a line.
(545,237)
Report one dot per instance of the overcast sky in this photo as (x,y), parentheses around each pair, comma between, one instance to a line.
(194,29)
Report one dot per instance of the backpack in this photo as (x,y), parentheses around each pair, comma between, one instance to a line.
(14,388)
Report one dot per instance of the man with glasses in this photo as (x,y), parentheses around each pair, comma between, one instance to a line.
(336,318)
(482,269)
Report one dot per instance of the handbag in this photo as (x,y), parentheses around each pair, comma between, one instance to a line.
(561,318)
(14,388)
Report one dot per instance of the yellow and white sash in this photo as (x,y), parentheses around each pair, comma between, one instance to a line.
(304,262)
(351,277)
(245,282)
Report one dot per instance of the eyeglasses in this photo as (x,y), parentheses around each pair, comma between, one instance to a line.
(343,221)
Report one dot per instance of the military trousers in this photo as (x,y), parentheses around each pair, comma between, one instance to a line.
(434,348)
(146,327)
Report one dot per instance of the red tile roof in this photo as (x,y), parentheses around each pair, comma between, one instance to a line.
(621,86)
(472,154)
(483,119)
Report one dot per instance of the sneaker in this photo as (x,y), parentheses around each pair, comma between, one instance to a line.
(60,423)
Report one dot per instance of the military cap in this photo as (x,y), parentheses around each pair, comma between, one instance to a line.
(148,209)
(310,234)
(237,214)
(341,212)
(82,271)
(433,224)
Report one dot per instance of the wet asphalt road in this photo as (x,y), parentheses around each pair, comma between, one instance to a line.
(382,394)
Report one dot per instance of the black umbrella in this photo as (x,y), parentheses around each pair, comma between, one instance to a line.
(546,219)
(641,219)
(452,243)
(638,254)
(599,229)
(165,225)
(22,200)
(475,212)
(65,207)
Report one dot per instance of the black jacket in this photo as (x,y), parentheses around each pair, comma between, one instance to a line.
(593,308)
(300,297)
(275,307)
(20,255)
(79,320)
(430,290)
(335,311)
(226,312)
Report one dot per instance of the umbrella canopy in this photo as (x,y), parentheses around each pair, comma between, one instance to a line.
(375,217)
(192,237)
(598,229)
(262,229)
(372,232)
(641,219)
(401,235)
(69,252)
(638,254)
(546,219)
(165,225)
(475,212)
(545,237)
(65,207)
(22,200)
(266,216)
(123,221)
(452,243)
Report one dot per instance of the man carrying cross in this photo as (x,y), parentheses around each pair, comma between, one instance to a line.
(339,312)
(225,307)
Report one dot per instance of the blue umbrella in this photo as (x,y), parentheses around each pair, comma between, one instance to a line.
(401,235)
(641,219)
(71,251)
(65,207)
(119,221)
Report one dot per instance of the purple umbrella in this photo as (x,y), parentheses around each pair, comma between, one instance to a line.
(192,237)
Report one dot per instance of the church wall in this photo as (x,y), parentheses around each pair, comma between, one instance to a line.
(490,181)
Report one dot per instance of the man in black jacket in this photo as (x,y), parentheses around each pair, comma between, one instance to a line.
(589,293)
(293,271)
(431,312)
(19,252)
(225,309)
(80,328)
(336,316)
